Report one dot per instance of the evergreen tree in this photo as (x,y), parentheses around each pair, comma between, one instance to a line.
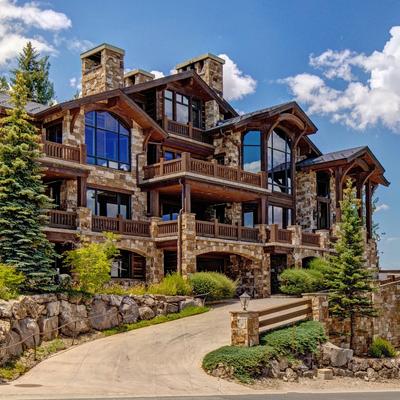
(4,87)
(23,203)
(351,283)
(36,73)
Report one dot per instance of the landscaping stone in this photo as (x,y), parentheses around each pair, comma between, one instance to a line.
(290,375)
(73,319)
(325,374)
(5,309)
(28,330)
(146,312)
(187,303)
(53,308)
(48,327)
(129,310)
(336,356)
(103,315)
(360,374)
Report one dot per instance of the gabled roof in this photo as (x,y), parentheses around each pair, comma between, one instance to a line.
(267,112)
(345,156)
(179,77)
(31,106)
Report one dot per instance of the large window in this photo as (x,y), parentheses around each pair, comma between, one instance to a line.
(280,216)
(279,163)
(54,132)
(107,141)
(183,109)
(129,265)
(170,212)
(251,160)
(108,204)
(323,201)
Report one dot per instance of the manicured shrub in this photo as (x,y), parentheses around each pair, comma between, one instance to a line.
(10,279)
(247,362)
(381,348)
(172,285)
(296,281)
(217,286)
(301,339)
(91,264)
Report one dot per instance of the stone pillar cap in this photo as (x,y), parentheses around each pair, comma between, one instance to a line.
(199,58)
(101,47)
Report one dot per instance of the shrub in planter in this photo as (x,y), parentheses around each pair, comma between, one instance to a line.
(10,279)
(172,285)
(296,281)
(381,348)
(217,286)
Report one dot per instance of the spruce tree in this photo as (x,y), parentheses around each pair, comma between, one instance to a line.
(35,70)
(4,87)
(351,283)
(23,203)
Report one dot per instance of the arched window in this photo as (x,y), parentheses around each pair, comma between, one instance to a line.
(107,141)
(251,159)
(279,162)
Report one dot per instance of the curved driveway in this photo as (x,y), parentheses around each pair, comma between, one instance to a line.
(160,360)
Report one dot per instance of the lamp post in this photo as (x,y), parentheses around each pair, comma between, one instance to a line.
(244,300)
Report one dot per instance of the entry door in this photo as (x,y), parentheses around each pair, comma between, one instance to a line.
(278,264)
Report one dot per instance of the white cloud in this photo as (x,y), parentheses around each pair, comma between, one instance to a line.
(371,94)
(254,166)
(75,83)
(382,207)
(157,74)
(73,44)
(236,83)
(15,22)
(393,239)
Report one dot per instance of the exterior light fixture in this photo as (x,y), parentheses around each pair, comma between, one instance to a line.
(244,300)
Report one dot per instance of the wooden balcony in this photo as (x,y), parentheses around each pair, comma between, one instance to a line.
(65,152)
(121,226)
(62,219)
(205,168)
(167,228)
(225,231)
(310,239)
(187,130)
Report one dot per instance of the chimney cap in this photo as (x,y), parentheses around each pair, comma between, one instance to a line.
(101,47)
(139,71)
(200,58)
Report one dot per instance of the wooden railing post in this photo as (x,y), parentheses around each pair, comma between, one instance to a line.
(82,153)
(190,129)
(121,224)
(185,160)
(239,230)
(215,166)
(263,179)
(274,232)
(161,166)
(216,230)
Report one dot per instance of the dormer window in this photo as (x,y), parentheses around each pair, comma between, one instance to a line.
(184,109)
(54,132)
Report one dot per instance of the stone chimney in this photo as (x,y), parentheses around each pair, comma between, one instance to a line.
(102,69)
(209,67)
(137,76)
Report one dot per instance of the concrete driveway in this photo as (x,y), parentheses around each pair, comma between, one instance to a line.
(162,360)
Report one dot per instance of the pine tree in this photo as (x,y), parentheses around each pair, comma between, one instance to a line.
(351,283)
(36,73)
(23,203)
(4,87)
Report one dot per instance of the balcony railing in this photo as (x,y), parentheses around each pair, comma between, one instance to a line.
(310,239)
(62,219)
(167,228)
(225,231)
(121,226)
(187,130)
(65,152)
(206,168)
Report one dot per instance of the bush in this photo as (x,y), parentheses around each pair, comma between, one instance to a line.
(172,285)
(217,286)
(10,279)
(381,348)
(301,339)
(91,263)
(296,281)
(247,362)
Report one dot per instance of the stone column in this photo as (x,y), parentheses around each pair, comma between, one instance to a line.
(84,219)
(296,234)
(319,305)
(154,227)
(244,328)
(187,243)
(324,238)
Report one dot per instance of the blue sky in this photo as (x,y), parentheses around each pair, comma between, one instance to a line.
(350,85)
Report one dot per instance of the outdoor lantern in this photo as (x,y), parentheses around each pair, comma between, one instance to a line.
(244,300)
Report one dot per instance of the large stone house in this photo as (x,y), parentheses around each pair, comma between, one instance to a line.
(188,183)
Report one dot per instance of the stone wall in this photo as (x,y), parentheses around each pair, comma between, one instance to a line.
(306,200)
(29,320)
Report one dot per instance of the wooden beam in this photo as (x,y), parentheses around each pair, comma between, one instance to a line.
(368,208)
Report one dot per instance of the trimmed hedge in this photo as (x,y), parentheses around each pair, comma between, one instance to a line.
(301,339)
(248,363)
(217,286)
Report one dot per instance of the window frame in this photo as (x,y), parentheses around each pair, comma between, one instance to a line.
(118,194)
(191,101)
(95,157)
